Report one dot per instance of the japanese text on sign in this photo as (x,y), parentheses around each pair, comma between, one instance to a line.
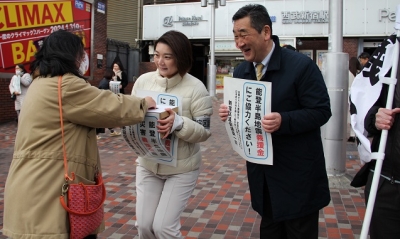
(248,101)
(144,138)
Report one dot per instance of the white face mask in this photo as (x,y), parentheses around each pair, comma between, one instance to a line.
(84,66)
(18,72)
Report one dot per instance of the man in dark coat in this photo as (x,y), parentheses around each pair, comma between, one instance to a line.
(288,194)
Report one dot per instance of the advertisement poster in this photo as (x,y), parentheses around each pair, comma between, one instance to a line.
(321,57)
(144,139)
(248,101)
(24,25)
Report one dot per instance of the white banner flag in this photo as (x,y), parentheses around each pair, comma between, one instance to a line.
(365,91)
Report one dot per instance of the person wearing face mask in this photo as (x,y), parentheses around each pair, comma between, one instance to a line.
(19,86)
(32,208)
(162,190)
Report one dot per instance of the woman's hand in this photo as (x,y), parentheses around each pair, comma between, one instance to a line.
(150,102)
(165,125)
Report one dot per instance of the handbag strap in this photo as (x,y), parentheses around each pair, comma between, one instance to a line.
(66,176)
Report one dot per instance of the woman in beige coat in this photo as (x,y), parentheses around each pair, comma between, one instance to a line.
(31,199)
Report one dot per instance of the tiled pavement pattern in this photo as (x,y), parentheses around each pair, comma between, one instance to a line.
(220,204)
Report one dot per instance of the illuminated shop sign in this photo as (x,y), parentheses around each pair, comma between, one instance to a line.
(186,21)
(304,17)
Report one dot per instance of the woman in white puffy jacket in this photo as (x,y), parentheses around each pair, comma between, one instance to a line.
(19,86)
(163,190)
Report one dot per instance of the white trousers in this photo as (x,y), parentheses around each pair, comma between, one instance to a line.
(160,201)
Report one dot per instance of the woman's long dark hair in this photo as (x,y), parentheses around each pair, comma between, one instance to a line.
(121,67)
(354,66)
(60,53)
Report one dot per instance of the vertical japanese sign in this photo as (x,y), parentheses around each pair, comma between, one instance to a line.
(144,139)
(24,25)
(248,102)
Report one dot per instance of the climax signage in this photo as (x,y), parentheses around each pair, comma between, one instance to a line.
(24,15)
(24,25)
(301,17)
(186,21)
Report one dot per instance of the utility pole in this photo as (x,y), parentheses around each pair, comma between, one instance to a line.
(212,69)
(336,74)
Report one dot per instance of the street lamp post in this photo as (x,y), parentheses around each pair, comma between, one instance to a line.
(211,69)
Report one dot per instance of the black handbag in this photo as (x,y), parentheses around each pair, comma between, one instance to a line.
(13,96)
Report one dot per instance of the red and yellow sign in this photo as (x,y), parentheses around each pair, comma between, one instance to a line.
(23,23)
(22,15)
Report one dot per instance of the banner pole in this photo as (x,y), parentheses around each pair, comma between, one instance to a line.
(383,140)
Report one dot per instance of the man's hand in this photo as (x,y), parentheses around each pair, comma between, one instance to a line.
(271,122)
(223,112)
(384,118)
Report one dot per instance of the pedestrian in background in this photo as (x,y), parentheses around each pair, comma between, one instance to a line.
(121,76)
(288,194)
(290,47)
(32,208)
(162,190)
(363,58)
(19,86)
(104,84)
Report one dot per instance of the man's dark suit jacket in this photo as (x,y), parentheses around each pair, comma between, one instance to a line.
(297,180)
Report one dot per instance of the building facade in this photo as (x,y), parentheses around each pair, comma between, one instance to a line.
(303,24)
(124,21)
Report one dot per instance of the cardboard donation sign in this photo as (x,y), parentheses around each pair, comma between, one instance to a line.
(144,138)
(160,112)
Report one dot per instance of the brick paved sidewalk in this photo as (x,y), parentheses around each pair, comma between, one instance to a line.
(220,204)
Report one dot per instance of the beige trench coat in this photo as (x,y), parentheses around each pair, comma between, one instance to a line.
(31,198)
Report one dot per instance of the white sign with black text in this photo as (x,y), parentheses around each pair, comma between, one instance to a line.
(144,139)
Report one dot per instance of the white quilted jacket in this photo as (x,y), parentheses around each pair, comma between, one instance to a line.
(196,103)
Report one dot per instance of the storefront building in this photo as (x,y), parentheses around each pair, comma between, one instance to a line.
(303,24)
(24,25)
